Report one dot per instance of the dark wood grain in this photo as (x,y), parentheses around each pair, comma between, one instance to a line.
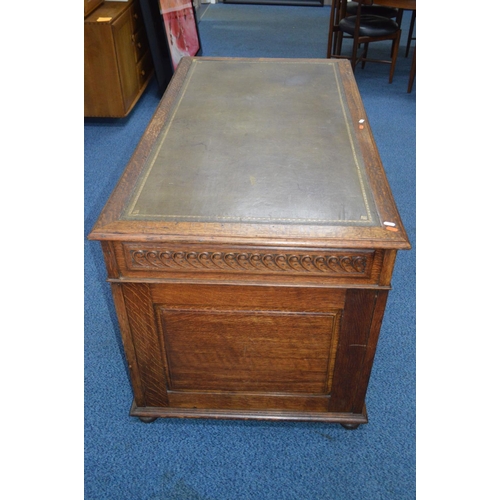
(356,322)
(147,346)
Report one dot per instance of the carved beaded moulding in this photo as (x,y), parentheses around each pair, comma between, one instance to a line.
(345,263)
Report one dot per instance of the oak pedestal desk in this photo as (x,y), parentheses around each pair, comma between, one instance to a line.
(250,245)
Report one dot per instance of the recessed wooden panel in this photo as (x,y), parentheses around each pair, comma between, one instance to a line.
(248,351)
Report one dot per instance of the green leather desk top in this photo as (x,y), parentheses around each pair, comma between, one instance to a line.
(256,141)
(253,151)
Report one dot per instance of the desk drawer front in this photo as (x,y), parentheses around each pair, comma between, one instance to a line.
(148,260)
(140,43)
(137,21)
(144,68)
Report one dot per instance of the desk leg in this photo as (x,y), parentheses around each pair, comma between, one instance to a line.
(147,420)
(412,70)
(350,427)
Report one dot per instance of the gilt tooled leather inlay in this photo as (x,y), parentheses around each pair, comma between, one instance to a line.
(257,142)
(245,262)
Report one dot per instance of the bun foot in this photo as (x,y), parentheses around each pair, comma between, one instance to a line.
(147,420)
(350,427)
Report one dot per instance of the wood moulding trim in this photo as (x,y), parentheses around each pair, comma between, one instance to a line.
(276,415)
(355,264)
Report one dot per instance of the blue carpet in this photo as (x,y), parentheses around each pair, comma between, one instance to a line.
(173,459)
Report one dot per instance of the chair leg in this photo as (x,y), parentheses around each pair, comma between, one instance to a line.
(333,43)
(338,43)
(332,31)
(364,56)
(329,46)
(399,17)
(413,70)
(354,56)
(410,32)
(395,49)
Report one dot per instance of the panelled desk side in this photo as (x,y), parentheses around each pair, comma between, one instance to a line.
(238,294)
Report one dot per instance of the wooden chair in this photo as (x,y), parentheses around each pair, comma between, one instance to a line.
(384,11)
(364,29)
(351,9)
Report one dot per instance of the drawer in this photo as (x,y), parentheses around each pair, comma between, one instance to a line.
(140,44)
(145,260)
(144,69)
(137,22)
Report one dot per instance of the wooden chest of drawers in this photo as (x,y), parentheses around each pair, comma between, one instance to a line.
(250,245)
(118,63)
